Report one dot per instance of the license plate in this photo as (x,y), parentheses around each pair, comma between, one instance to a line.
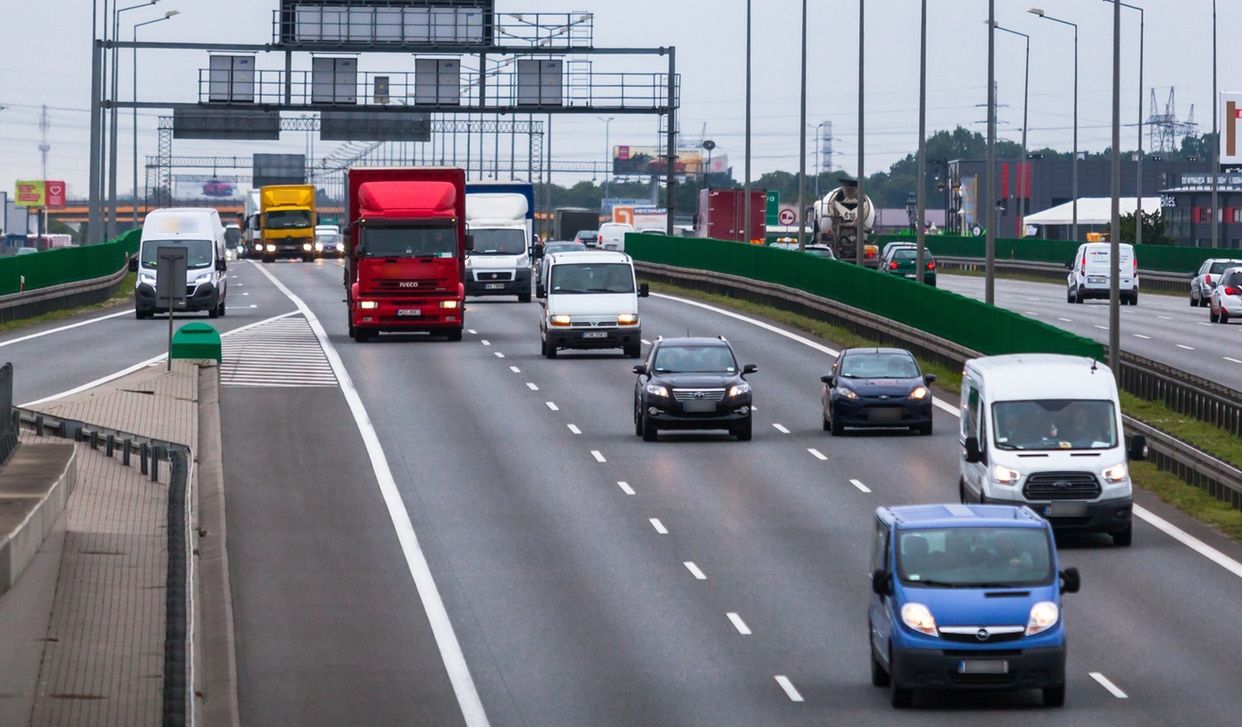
(884,415)
(911,275)
(699,407)
(494,286)
(983,666)
(1067,509)
(409,313)
(1096,279)
(595,334)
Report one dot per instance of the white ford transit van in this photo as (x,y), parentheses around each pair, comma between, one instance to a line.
(1089,273)
(198,230)
(591,302)
(1044,431)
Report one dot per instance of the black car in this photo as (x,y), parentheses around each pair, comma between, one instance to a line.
(692,383)
(879,388)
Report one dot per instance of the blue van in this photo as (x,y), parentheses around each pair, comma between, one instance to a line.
(967,597)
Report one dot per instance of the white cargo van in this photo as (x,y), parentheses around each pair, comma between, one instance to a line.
(198,230)
(1089,273)
(592,303)
(499,263)
(612,235)
(1044,431)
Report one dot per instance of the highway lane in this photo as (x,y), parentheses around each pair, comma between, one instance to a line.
(1161,327)
(572,606)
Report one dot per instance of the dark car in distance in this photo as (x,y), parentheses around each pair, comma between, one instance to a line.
(692,383)
(877,388)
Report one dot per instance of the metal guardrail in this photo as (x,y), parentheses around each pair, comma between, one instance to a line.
(16,306)
(1151,280)
(1219,478)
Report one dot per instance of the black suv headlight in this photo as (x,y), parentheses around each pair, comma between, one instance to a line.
(739,389)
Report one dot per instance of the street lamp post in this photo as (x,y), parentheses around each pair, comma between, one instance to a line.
(608,154)
(1026,95)
(802,144)
(113,134)
(168,15)
(989,283)
(920,232)
(746,211)
(1215,142)
(1114,285)
(860,217)
(1074,182)
(1138,210)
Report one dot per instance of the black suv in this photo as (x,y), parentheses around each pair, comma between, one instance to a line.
(692,383)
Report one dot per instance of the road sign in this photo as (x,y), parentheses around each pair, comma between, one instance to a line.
(772,205)
(787,217)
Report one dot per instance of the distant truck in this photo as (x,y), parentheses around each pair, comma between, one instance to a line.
(569,221)
(251,234)
(405,251)
(500,216)
(722,215)
(836,221)
(287,222)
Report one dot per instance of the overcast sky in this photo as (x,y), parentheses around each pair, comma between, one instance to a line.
(44,59)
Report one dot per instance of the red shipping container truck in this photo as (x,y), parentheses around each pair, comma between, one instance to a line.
(722,215)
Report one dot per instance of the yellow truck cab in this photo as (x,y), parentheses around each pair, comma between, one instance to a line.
(287,222)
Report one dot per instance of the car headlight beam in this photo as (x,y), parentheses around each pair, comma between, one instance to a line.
(1044,615)
(1116,474)
(919,393)
(560,321)
(1002,475)
(919,617)
(847,393)
(739,389)
(657,390)
(627,319)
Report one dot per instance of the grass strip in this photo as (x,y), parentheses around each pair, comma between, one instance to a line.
(124,294)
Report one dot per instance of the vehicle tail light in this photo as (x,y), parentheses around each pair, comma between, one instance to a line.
(892,266)
(931,265)
(1232,291)
(1207,279)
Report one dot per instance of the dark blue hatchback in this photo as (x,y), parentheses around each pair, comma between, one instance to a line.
(967,597)
(877,388)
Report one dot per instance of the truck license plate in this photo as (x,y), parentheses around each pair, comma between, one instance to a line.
(494,286)
(409,313)
(595,334)
(983,666)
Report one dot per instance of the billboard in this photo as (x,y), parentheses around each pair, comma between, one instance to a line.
(648,160)
(1231,130)
(387,22)
(54,192)
(640,217)
(30,193)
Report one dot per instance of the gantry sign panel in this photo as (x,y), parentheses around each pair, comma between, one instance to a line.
(392,22)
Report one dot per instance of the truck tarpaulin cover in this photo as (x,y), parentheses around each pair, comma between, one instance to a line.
(398,200)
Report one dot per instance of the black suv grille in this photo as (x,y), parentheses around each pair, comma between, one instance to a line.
(1061,486)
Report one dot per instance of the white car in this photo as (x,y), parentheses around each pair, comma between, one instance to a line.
(1205,281)
(1089,273)
(1226,296)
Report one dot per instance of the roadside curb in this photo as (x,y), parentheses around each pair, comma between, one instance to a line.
(39,510)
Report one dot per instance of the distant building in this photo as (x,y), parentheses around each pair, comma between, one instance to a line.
(1187,210)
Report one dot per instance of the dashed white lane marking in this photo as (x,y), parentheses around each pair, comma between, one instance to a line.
(646,342)
(659,526)
(790,690)
(245,294)
(552,405)
(1165,318)
(1065,320)
(499,354)
(1185,347)
(694,570)
(817,454)
(515,369)
(1203,323)
(861,487)
(1102,328)
(738,623)
(780,428)
(625,487)
(1145,338)
(574,428)
(599,457)
(1232,360)
(253,306)
(58,329)
(485,342)
(1030,313)
(532,386)
(1107,683)
(472,332)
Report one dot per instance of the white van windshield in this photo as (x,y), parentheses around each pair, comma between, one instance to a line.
(592,278)
(499,242)
(198,252)
(1054,424)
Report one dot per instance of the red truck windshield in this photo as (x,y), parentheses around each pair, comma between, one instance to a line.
(438,241)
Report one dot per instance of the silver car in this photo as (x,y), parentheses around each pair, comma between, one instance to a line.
(1206,280)
(1226,301)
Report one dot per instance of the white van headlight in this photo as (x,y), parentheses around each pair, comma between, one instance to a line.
(1044,615)
(1116,474)
(1002,475)
(146,278)
(205,278)
(628,319)
(918,617)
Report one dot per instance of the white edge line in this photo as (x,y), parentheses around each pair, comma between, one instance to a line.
(659,526)
(1107,683)
(790,690)
(738,623)
(441,627)
(59,329)
(625,487)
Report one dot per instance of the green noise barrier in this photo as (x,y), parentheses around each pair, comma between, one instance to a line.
(67,264)
(967,322)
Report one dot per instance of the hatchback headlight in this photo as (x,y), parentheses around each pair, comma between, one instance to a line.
(847,393)
(919,392)
(739,389)
(1002,475)
(1116,474)
(1044,615)
(560,321)
(628,319)
(918,617)
(657,390)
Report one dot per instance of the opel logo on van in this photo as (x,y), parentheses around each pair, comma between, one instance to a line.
(982,634)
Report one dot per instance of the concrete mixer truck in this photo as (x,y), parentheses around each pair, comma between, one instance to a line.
(836,216)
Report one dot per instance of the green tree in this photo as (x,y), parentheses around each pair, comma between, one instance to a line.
(1153,229)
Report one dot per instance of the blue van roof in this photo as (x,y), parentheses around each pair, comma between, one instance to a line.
(955,515)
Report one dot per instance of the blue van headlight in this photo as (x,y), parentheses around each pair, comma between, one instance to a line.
(918,617)
(1044,615)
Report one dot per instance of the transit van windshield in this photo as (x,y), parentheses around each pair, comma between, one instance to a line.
(1054,424)
(974,557)
(499,242)
(198,252)
(569,279)
(288,219)
(438,241)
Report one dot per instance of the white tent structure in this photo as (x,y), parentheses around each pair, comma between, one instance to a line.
(1092,212)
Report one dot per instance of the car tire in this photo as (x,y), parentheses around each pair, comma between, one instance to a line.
(879,677)
(213,311)
(361,335)
(824,420)
(1123,538)
(1224,316)
(901,697)
(838,429)
(638,417)
(223,309)
(1195,302)
(1054,696)
(453,335)
(924,429)
(549,349)
(1212,316)
(633,350)
(1078,296)
(650,431)
(744,431)
(1134,299)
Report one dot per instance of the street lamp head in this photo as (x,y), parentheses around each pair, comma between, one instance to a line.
(172,13)
(1036,11)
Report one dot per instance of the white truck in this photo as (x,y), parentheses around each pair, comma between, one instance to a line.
(500,219)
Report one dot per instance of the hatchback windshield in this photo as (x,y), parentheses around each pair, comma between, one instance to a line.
(905,253)
(552,247)
(974,557)
(288,219)
(428,241)
(1055,424)
(592,278)
(499,242)
(694,360)
(198,252)
(879,366)
(330,238)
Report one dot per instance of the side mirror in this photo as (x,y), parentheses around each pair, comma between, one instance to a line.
(644,290)
(973,455)
(929,379)
(469,243)
(133,265)
(882,583)
(1138,448)
(827,379)
(221,265)
(1070,580)
(749,369)
(641,369)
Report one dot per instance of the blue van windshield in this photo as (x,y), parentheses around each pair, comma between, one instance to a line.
(974,557)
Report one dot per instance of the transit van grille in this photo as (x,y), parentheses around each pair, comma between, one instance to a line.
(1061,486)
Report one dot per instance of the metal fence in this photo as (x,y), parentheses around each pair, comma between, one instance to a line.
(8,415)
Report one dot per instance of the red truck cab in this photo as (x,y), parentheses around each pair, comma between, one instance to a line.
(406,251)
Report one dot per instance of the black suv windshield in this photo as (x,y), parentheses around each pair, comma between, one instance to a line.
(694,360)
(879,366)
(198,252)
(574,278)
(974,557)
(1054,424)
(288,219)
(499,242)
(424,241)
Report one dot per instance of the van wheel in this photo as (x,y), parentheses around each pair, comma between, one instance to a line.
(1123,538)
(1134,299)
(361,335)
(1194,303)
(549,349)
(1054,696)
(634,350)
(223,309)
(524,297)
(961,490)
(879,677)
(214,312)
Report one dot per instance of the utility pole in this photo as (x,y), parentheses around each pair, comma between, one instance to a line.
(1114,278)
(860,217)
(802,144)
(920,231)
(989,286)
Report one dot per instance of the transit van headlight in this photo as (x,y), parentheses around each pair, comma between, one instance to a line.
(918,617)
(449,304)
(1116,474)
(739,389)
(1044,615)
(628,319)
(920,393)
(657,390)
(146,278)
(847,393)
(1002,475)
(368,305)
(560,321)
(258,247)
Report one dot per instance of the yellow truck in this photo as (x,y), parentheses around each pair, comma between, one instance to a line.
(286,222)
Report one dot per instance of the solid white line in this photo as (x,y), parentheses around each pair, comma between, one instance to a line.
(1232,360)
(599,457)
(499,355)
(780,428)
(861,487)
(625,487)
(1203,323)
(817,454)
(1184,347)
(788,686)
(68,327)
(425,585)
(1145,338)
(486,342)
(552,405)
(659,526)
(738,623)
(532,386)
(694,570)
(1107,683)
(574,428)
(515,369)
(1031,313)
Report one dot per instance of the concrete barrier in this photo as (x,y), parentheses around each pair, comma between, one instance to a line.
(35,485)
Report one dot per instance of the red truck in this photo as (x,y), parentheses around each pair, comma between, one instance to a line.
(405,251)
(722,215)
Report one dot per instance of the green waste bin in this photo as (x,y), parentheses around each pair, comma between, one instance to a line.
(197,341)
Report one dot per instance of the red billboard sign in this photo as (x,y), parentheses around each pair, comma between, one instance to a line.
(56,194)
